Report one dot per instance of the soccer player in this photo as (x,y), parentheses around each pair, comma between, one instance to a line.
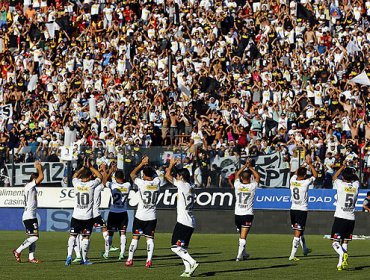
(84,182)
(344,216)
(245,190)
(185,225)
(145,220)
(29,216)
(117,217)
(299,184)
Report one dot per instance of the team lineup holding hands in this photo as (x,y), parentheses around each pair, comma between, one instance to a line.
(88,183)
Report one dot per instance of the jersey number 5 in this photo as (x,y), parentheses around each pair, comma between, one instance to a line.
(349,200)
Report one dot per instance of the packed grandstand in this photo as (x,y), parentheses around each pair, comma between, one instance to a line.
(201,79)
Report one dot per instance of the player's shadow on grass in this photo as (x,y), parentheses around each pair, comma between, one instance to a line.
(214,273)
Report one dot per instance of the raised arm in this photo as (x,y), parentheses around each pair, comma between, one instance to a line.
(168,175)
(143,162)
(309,162)
(336,175)
(40,173)
(94,171)
(237,174)
(256,175)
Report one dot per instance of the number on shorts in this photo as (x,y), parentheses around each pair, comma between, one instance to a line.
(296,193)
(83,199)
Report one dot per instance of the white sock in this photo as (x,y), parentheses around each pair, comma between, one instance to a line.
(241,248)
(85,248)
(303,243)
(187,266)
(71,244)
(32,249)
(150,249)
(339,250)
(295,245)
(183,253)
(345,247)
(133,247)
(77,247)
(27,243)
(123,243)
(107,243)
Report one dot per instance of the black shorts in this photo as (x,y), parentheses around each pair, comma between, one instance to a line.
(245,221)
(117,221)
(298,219)
(146,228)
(83,227)
(181,235)
(342,229)
(99,222)
(32,226)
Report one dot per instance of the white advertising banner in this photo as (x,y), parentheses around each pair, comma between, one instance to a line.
(47,197)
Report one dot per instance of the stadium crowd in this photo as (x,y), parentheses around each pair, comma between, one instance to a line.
(210,77)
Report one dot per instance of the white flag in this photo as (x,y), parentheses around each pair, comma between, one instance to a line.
(361,79)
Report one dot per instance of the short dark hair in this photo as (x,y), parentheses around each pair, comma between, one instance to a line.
(301,172)
(85,173)
(347,174)
(368,194)
(149,171)
(246,175)
(34,175)
(185,174)
(119,175)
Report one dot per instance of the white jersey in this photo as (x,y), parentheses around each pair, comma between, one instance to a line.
(97,200)
(185,203)
(118,202)
(346,199)
(84,198)
(299,193)
(244,194)
(30,201)
(149,192)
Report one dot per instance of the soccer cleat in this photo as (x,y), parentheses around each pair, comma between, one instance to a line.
(34,261)
(87,262)
(17,256)
(148,264)
(105,255)
(129,263)
(121,256)
(68,260)
(76,260)
(339,268)
(345,261)
(185,274)
(306,252)
(246,256)
(293,259)
(193,268)
(113,249)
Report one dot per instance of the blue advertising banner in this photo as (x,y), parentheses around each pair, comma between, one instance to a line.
(318,199)
(12,219)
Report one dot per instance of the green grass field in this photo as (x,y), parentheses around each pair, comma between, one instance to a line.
(215,253)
